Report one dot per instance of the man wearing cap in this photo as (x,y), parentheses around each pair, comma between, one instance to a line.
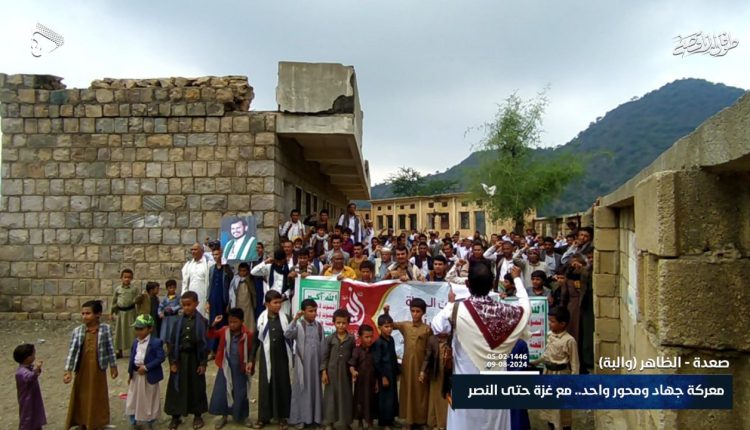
(143,404)
(382,259)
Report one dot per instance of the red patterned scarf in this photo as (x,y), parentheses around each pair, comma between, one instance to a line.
(495,320)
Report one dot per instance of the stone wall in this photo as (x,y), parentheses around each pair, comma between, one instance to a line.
(126,173)
(671,268)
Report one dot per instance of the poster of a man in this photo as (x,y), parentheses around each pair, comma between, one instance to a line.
(238,239)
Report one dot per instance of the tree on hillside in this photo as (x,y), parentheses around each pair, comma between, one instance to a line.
(406,182)
(523,180)
(409,182)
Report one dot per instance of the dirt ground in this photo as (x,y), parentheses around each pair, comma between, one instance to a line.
(51,339)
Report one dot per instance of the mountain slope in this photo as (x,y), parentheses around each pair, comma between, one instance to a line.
(624,141)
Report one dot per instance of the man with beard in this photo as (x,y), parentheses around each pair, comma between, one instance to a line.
(382,260)
(241,247)
(402,269)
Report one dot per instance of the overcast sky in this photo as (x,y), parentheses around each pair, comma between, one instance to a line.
(427,70)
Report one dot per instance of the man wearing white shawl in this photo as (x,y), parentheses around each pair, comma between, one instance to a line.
(274,380)
(483,327)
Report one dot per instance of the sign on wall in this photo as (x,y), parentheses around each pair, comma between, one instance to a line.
(238,239)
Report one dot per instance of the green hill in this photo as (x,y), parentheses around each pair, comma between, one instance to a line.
(624,141)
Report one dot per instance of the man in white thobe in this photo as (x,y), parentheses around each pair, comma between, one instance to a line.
(490,329)
(195,275)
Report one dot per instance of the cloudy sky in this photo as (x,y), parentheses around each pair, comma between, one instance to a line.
(427,70)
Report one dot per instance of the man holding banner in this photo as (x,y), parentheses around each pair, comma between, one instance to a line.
(483,329)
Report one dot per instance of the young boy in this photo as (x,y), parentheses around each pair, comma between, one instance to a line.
(362,368)
(307,392)
(413,394)
(387,371)
(319,241)
(90,353)
(150,306)
(169,309)
(439,270)
(232,378)
(336,375)
(125,298)
(347,244)
(143,404)
(188,357)
(274,389)
(433,370)
(560,357)
(242,295)
(538,285)
(367,272)
(31,414)
(509,288)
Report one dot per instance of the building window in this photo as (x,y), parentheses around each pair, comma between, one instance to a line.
(445,204)
(380,222)
(464,220)
(479,222)
(401,207)
(444,222)
(402,222)
(308,203)
(390,221)
(412,206)
(380,208)
(389,207)
(464,204)
(315,204)
(298,199)
(430,205)
(413,220)
(367,216)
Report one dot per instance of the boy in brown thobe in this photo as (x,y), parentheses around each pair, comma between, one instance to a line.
(413,394)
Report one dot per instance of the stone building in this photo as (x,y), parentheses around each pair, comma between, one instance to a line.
(446,213)
(672,268)
(129,173)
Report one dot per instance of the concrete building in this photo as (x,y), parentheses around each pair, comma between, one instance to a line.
(445,213)
(129,173)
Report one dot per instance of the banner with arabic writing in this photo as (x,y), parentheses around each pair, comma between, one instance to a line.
(365,303)
(537,325)
(325,291)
